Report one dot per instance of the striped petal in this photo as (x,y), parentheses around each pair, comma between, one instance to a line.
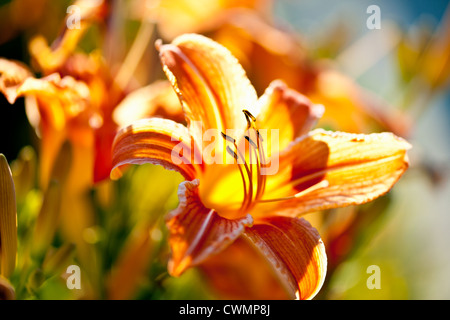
(351,169)
(288,111)
(242,273)
(197,232)
(12,75)
(209,81)
(295,251)
(157,141)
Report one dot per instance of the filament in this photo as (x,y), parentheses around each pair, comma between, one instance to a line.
(247,170)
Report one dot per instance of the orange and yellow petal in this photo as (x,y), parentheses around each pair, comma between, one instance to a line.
(240,273)
(157,141)
(287,111)
(351,169)
(294,250)
(209,81)
(58,108)
(197,232)
(12,75)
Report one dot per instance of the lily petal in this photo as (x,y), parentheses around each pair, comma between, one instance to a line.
(354,168)
(295,250)
(8,226)
(12,75)
(156,99)
(58,106)
(197,232)
(240,273)
(58,98)
(209,81)
(154,141)
(287,110)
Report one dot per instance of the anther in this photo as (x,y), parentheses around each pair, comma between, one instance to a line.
(249,115)
(232,153)
(250,119)
(226,137)
(251,142)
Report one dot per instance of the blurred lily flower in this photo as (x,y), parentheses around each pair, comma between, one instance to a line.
(72,102)
(220,203)
(268,52)
(425,55)
(175,17)
(58,107)
(8,220)
(75,100)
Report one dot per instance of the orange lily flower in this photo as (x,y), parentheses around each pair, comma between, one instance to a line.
(220,203)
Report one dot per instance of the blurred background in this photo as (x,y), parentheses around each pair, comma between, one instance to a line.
(395,78)
(409,241)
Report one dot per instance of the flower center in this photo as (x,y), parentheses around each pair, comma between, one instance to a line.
(251,164)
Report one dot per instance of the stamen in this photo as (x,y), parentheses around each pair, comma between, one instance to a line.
(227,137)
(249,115)
(259,153)
(262,157)
(322,184)
(256,150)
(258,174)
(248,200)
(232,153)
(251,142)
(250,119)
(237,155)
(259,135)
